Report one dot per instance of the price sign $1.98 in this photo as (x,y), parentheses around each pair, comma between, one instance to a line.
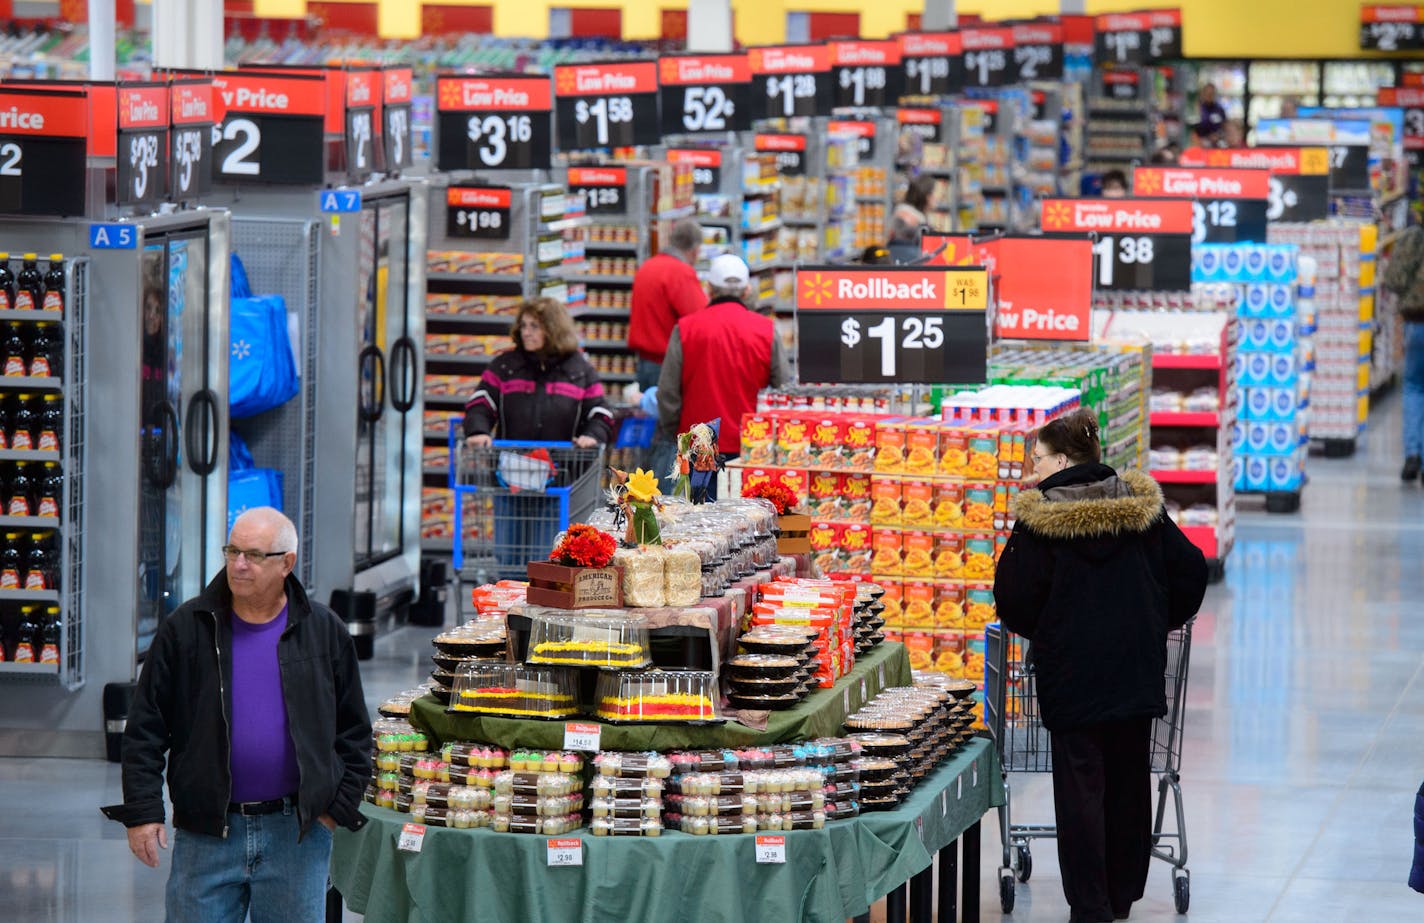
(906,324)
(479,212)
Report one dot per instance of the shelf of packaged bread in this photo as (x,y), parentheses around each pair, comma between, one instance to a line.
(1173,418)
(1175,476)
(1174,361)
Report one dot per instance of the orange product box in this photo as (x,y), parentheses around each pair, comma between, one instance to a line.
(890,445)
(885,501)
(856,501)
(823,496)
(974,656)
(1001,539)
(755,477)
(949,504)
(920,646)
(917,503)
(953,448)
(979,556)
(949,555)
(918,554)
(919,604)
(793,441)
(949,605)
(888,553)
(983,452)
(825,539)
(856,548)
(949,654)
(893,600)
(758,438)
(922,448)
(796,480)
(978,606)
(827,442)
(979,505)
(860,446)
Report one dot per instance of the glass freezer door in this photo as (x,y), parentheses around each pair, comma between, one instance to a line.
(178,439)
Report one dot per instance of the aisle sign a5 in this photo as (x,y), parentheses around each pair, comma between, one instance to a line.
(1038,51)
(364,91)
(932,63)
(605,105)
(478,212)
(1229,205)
(192,114)
(1299,186)
(396,94)
(708,92)
(604,190)
(988,54)
(142,159)
(493,122)
(901,324)
(791,80)
(706,166)
(1122,38)
(1392,27)
(44,143)
(272,128)
(790,151)
(866,74)
(1142,244)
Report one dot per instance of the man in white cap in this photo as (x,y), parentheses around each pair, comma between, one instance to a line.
(718,359)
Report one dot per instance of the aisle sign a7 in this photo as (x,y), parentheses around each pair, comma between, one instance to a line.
(1142,244)
(702,93)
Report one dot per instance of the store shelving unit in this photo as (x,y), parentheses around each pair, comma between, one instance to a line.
(947,140)
(1055,140)
(876,137)
(1005,204)
(1122,124)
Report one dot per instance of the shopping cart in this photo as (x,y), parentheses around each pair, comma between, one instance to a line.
(1014,721)
(512,499)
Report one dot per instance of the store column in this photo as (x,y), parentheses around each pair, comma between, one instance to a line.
(101,39)
(939,14)
(709,25)
(188,33)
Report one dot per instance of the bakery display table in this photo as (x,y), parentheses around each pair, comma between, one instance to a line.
(821,714)
(828,874)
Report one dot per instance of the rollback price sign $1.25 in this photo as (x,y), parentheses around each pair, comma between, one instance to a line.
(1140,244)
(878,325)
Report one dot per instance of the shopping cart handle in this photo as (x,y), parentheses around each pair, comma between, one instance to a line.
(529,444)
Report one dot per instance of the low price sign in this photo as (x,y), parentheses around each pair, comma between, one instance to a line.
(493,122)
(1228,205)
(477,212)
(143,144)
(611,104)
(932,63)
(1141,244)
(1411,100)
(791,80)
(43,150)
(790,151)
(866,73)
(1038,51)
(272,128)
(988,55)
(603,189)
(1299,184)
(1122,38)
(396,95)
(706,166)
(1394,27)
(882,324)
(705,93)
(191,117)
(1043,286)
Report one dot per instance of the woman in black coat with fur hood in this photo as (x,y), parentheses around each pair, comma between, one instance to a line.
(1095,576)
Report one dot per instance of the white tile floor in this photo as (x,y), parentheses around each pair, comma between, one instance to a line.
(1304,743)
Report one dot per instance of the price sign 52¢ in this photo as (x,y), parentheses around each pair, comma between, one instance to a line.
(704,93)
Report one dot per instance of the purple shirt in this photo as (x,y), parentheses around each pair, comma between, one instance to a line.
(264,761)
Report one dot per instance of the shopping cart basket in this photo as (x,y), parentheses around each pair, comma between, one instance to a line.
(1016,725)
(512,499)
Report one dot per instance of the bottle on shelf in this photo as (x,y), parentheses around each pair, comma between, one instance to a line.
(29,291)
(49,636)
(54,284)
(7,283)
(37,564)
(10,562)
(50,490)
(51,424)
(25,636)
(21,499)
(22,424)
(15,351)
(42,347)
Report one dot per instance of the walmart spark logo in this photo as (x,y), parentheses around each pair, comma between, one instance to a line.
(1149,182)
(241,349)
(450,95)
(815,289)
(1057,216)
(564,80)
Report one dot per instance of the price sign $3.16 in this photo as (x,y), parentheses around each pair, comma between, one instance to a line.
(494,135)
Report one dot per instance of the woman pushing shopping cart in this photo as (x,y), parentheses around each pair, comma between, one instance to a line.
(1095,579)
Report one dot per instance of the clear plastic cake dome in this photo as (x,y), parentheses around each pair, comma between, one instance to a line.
(598,638)
(514,690)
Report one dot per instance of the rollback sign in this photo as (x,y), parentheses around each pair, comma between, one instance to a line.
(920,324)
(493,122)
(43,151)
(1299,186)
(703,93)
(1228,205)
(272,128)
(143,149)
(1141,244)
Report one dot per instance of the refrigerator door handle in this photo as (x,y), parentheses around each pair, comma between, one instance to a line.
(405,365)
(162,466)
(203,457)
(370,413)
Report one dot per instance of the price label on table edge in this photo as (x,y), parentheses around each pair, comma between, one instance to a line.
(770,849)
(582,736)
(412,837)
(564,852)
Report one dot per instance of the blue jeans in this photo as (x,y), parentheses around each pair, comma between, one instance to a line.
(648,373)
(260,867)
(1414,388)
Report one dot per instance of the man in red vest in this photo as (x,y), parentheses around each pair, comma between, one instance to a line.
(717,360)
(665,290)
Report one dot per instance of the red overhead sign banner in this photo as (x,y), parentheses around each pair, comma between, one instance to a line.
(1201,182)
(885,52)
(48,115)
(931,44)
(477,197)
(606,78)
(271,94)
(790,59)
(500,94)
(598,176)
(143,107)
(396,85)
(1289,161)
(192,103)
(697,70)
(1149,216)
(781,142)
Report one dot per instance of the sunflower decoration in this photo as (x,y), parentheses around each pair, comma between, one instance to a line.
(639,498)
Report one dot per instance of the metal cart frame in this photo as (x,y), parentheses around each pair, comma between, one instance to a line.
(1014,721)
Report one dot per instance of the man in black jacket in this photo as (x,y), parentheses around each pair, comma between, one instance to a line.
(252,691)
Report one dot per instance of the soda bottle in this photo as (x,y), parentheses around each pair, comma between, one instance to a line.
(51,423)
(21,501)
(54,283)
(41,347)
(49,636)
(29,292)
(51,489)
(7,283)
(10,562)
(22,425)
(25,636)
(14,349)
(37,576)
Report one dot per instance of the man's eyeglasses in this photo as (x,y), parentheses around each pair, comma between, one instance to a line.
(1039,458)
(231,553)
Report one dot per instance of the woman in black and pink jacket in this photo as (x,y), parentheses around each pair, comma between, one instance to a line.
(543,389)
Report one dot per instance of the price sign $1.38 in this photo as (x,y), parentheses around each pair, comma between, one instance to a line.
(1142,244)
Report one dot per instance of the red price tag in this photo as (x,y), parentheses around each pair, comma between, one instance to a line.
(412,837)
(579,736)
(564,852)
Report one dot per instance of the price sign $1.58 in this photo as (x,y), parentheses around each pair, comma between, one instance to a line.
(604,113)
(910,332)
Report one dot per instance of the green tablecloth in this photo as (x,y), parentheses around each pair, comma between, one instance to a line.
(821,714)
(829,875)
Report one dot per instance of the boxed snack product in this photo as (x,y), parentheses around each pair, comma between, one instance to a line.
(919,604)
(888,557)
(979,606)
(918,554)
(983,452)
(825,538)
(949,504)
(793,441)
(894,612)
(953,448)
(949,605)
(979,505)
(890,445)
(917,503)
(823,495)
(978,556)
(856,548)
(949,555)
(920,646)
(860,446)
(858,504)
(827,442)
(949,654)
(885,495)
(921,447)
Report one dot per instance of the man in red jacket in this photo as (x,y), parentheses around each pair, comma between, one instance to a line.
(717,360)
(664,290)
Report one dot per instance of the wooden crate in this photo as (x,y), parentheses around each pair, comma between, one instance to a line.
(561,587)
